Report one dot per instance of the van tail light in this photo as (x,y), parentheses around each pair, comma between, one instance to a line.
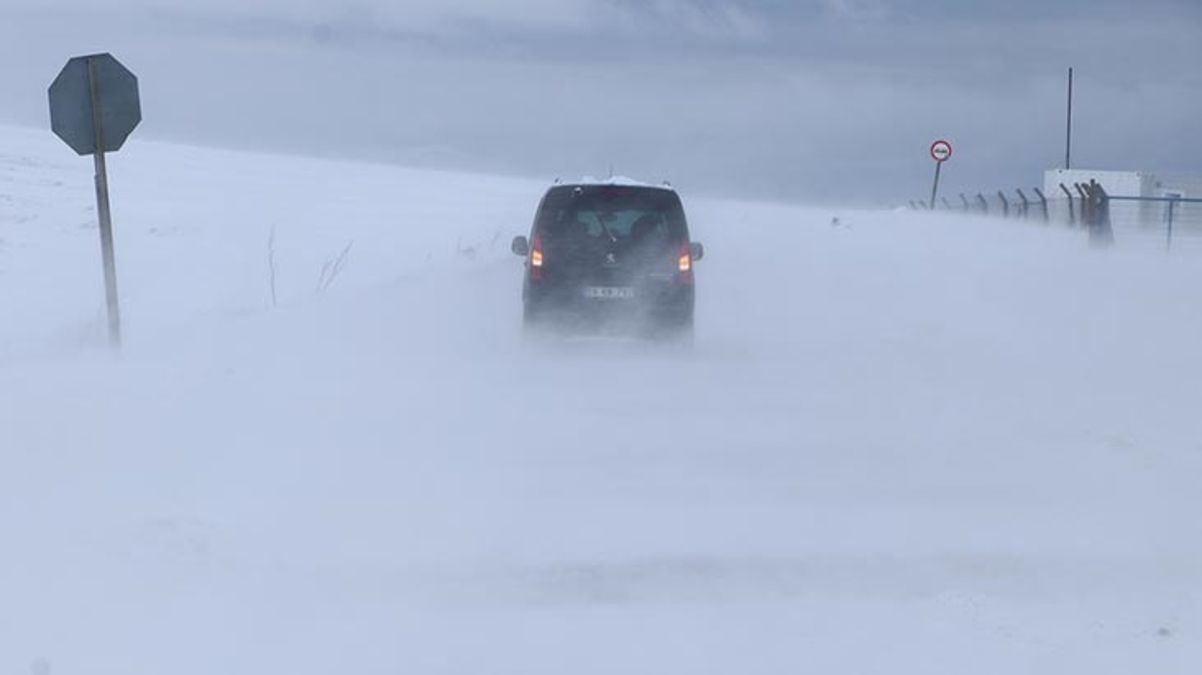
(536,259)
(684,265)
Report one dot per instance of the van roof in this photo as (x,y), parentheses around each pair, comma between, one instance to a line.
(619,181)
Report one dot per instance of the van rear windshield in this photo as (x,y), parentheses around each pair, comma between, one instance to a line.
(616,213)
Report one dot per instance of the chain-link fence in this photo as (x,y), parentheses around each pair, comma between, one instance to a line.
(1175,220)
(1171,221)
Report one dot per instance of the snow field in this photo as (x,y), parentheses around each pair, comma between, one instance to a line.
(900,444)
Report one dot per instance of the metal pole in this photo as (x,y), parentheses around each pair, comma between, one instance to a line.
(1086,206)
(104,212)
(1100,232)
(1072,216)
(1068,135)
(1043,202)
(1168,243)
(935,187)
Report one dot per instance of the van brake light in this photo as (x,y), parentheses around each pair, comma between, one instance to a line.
(536,259)
(684,265)
(685,262)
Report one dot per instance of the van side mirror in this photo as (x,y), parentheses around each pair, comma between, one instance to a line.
(696,250)
(520,246)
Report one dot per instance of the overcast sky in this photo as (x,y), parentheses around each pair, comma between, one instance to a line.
(812,100)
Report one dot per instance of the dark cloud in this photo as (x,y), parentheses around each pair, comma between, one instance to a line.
(827,100)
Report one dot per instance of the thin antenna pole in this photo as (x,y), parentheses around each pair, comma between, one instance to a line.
(1068,136)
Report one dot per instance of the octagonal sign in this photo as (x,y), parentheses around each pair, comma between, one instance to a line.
(99,79)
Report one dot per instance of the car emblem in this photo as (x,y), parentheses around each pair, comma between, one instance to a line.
(610,259)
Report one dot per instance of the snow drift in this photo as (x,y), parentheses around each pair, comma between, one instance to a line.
(901,443)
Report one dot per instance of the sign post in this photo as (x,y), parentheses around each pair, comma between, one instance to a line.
(94,106)
(941,151)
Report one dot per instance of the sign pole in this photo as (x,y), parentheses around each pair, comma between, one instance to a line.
(935,187)
(941,151)
(103,210)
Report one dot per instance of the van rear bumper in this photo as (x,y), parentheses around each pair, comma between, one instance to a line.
(652,306)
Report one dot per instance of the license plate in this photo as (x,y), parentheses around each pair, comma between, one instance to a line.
(608,292)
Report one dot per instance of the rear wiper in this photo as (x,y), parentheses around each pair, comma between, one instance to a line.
(605,228)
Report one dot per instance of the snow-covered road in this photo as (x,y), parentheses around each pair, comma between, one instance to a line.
(900,445)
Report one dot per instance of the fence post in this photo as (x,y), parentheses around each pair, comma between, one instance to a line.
(965,201)
(1005,204)
(1026,207)
(984,204)
(1043,202)
(1072,214)
(946,204)
(913,206)
(1086,210)
(1169,241)
(1100,232)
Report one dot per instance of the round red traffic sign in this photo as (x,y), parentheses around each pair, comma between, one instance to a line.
(941,151)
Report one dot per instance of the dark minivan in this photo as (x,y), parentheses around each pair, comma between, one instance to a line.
(610,256)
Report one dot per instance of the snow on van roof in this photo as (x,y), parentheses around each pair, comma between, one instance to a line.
(621,181)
